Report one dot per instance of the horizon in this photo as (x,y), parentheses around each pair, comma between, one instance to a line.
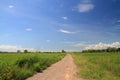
(56,25)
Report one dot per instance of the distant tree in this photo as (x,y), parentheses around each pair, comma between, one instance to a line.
(18,51)
(63,51)
(111,49)
(118,49)
(25,51)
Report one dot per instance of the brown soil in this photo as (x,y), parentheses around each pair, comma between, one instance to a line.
(62,70)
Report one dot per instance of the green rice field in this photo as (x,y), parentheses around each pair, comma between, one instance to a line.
(98,66)
(19,66)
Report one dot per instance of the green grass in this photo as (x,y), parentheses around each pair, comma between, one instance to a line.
(98,66)
(21,66)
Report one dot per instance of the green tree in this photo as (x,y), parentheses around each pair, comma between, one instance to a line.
(63,51)
(18,51)
(25,51)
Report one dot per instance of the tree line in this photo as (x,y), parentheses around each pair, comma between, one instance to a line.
(27,51)
(109,49)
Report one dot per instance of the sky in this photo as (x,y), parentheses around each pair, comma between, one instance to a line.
(54,25)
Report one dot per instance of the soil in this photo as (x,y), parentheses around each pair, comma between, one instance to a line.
(62,70)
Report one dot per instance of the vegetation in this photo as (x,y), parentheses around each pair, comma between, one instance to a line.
(98,66)
(109,49)
(20,66)
(63,51)
(25,51)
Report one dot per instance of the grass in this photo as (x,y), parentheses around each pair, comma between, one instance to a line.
(98,66)
(21,66)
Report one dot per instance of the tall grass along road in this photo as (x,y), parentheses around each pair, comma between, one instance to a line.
(22,66)
(62,70)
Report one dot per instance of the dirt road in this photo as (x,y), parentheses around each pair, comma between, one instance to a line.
(62,70)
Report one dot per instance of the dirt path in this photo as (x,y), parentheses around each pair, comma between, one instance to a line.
(62,70)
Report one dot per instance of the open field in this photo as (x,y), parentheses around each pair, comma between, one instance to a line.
(98,66)
(90,66)
(21,66)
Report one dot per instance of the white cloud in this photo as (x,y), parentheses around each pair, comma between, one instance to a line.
(13,48)
(11,6)
(66,31)
(85,7)
(103,45)
(118,21)
(65,18)
(28,29)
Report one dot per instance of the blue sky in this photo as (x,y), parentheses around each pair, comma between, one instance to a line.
(53,25)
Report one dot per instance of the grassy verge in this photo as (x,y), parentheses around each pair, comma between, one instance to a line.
(21,66)
(98,66)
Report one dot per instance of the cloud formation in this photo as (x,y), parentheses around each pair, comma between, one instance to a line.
(99,46)
(66,31)
(85,7)
(102,46)
(28,29)
(118,21)
(65,18)
(12,48)
(11,6)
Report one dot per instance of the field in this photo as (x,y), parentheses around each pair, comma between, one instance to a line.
(91,66)
(98,66)
(20,66)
